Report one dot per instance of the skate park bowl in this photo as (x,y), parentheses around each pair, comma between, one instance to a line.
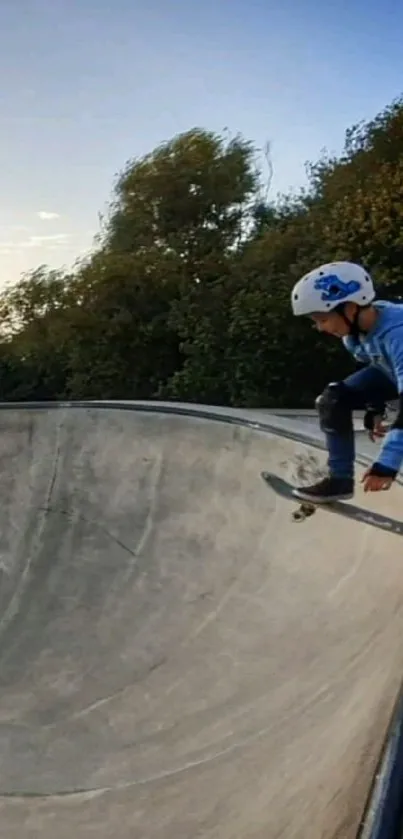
(178,658)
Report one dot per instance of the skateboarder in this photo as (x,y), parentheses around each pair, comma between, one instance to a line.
(339,298)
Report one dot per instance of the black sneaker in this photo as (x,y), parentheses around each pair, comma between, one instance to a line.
(327,490)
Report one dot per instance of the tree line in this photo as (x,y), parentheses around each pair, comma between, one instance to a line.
(186,293)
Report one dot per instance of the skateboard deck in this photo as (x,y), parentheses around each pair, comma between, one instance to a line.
(306,509)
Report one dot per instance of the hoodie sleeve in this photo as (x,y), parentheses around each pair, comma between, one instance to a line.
(391,453)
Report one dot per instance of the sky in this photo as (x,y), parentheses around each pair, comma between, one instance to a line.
(87,86)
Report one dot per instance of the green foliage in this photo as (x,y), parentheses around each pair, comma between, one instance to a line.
(187,295)
(189,197)
(35,319)
(123,343)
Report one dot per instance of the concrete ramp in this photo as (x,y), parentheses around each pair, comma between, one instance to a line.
(177,658)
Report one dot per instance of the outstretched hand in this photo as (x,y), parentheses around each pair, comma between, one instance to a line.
(379,428)
(375,483)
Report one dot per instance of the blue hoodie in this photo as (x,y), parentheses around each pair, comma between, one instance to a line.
(382,347)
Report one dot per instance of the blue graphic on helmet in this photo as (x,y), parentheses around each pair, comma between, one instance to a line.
(334,288)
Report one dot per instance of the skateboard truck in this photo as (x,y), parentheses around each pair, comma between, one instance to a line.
(304,511)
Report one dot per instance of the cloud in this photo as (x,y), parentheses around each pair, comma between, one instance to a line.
(45,215)
(43,241)
(55,240)
(14,228)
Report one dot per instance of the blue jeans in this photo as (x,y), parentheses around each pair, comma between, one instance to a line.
(369,385)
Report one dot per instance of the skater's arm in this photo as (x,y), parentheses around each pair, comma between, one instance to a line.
(391,454)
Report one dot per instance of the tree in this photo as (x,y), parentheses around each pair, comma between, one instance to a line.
(123,344)
(188,293)
(356,201)
(173,230)
(39,294)
(191,197)
(34,316)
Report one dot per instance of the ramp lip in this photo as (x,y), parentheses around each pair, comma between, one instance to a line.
(207,412)
(278,425)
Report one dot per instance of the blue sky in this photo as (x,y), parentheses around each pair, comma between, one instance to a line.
(87,85)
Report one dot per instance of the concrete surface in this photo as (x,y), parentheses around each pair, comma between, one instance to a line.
(178,659)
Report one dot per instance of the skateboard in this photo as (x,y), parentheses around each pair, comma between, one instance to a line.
(306,509)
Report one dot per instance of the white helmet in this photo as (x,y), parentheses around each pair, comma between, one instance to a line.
(324,288)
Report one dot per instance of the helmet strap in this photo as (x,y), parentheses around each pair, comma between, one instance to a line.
(353,325)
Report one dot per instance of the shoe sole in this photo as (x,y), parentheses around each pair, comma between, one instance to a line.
(315,499)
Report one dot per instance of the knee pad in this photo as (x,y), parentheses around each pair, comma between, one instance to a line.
(334,409)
